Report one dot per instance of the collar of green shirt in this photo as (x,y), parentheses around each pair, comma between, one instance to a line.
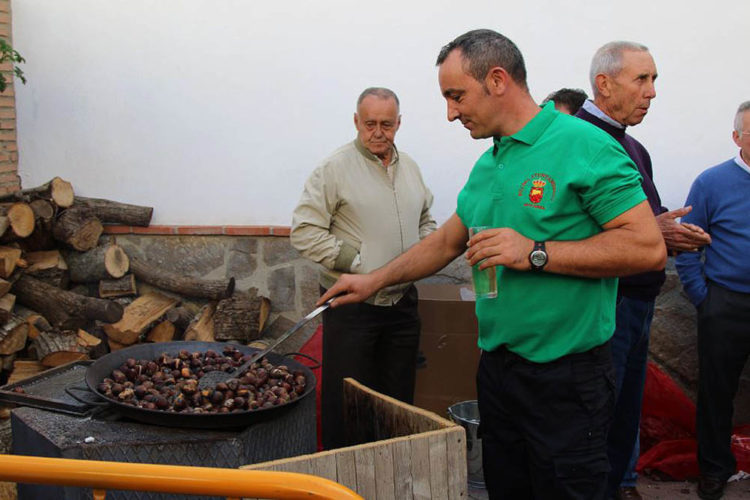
(532,130)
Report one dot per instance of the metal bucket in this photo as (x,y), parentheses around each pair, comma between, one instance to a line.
(466,414)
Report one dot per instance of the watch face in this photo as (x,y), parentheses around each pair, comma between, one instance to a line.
(538,258)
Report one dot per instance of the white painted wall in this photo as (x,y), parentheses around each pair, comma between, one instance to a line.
(216,111)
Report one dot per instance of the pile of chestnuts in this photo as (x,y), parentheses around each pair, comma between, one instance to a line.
(170,383)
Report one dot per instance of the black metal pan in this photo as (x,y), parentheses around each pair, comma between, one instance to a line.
(103,367)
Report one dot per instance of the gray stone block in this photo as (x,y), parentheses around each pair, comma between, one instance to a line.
(189,255)
(282,288)
(309,287)
(246,244)
(241,264)
(278,251)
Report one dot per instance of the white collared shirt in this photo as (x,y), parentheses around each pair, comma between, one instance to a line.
(741,163)
(592,108)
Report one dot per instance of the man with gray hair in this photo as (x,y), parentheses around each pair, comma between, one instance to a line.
(364,205)
(622,79)
(719,287)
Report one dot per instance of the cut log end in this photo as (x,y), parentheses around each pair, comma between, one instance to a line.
(61,192)
(116,261)
(87,236)
(21,219)
(78,229)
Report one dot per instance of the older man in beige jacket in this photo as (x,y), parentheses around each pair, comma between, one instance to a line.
(364,205)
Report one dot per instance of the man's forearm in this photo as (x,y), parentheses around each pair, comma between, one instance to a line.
(608,254)
(630,243)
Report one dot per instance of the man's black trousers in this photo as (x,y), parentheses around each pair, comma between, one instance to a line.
(377,346)
(544,425)
(723,349)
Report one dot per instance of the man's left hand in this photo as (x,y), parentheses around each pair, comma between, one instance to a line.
(681,237)
(500,247)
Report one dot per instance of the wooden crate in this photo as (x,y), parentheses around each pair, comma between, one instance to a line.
(405,452)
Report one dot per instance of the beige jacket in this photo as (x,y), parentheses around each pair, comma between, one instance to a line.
(353,217)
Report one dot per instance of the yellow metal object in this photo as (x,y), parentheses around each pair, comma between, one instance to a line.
(234,483)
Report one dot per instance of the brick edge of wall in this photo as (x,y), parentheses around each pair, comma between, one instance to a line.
(200,230)
(9,179)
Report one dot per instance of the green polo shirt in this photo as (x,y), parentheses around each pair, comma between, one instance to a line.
(557,179)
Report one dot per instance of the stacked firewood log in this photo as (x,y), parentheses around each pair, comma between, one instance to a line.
(67,294)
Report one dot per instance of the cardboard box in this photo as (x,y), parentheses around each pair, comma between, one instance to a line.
(449,342)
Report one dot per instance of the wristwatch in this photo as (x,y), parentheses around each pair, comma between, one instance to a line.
(538,256)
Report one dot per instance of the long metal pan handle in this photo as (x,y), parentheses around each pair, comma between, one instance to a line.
(300,324)
(69,391)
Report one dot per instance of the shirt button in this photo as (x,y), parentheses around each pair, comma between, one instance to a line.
(501,166)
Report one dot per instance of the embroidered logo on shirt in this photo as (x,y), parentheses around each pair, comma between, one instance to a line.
(537,190)
(540,192)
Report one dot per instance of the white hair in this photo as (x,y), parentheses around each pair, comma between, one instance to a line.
(608,59)
(744,107)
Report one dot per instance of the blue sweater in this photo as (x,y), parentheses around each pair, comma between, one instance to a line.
(720,197)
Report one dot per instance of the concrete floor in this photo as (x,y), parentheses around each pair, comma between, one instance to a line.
(663,490)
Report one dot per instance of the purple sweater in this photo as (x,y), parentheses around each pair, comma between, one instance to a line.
(644,286)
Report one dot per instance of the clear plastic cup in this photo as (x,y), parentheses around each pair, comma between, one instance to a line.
(485,280)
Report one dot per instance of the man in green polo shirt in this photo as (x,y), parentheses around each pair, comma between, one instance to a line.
(569,216)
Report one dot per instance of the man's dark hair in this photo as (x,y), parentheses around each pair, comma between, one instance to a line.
(381,92)
(573,99)
(485,49)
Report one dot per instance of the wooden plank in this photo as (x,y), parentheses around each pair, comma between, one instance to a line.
(13,335)
(384,472)
(324,466)
(7,301)
(392,418)
(8,258)
(402,480)
(23,369)
(420,469)
(455,452)
(438,467)
(301,467)
(364,461)
(8,490)
(346,472)
(138,316)
(48,259)
(163,332)
(429,462)
(202,326)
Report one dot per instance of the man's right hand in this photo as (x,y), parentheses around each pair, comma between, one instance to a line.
(350,288)
(681,237)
